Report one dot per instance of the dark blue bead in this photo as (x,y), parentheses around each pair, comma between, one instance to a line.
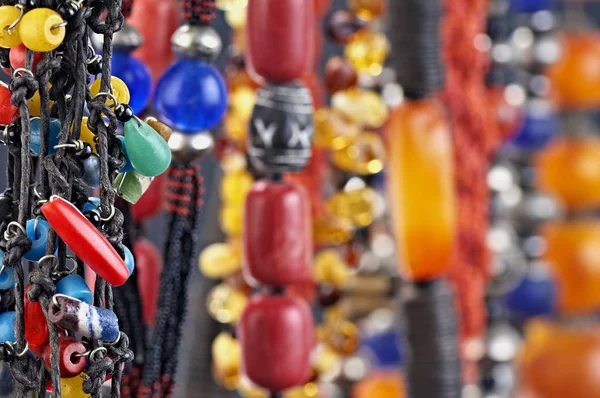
(536,132)
(7,277)
(7,327)
(37,230)
(531,6)
(91,171)
(128,166)
(75,286)
(386,349)
(7,383)
(136,75)
(191,96)
(34,138)
(92,204)
(129,260)
(535,295)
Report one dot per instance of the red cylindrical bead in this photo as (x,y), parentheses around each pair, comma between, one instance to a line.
(86,241)
(18,54)
(280,36)
(276,335)
(8,112)
(71,364)
(151,202)
(277,234)
(36,326)
(148,265)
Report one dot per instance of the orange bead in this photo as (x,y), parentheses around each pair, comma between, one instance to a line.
(421,185)
(569,168)
(574,256)
(559,361)
(575,78)
(380,385)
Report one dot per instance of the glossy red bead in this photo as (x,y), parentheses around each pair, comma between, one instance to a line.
(8,112)
(148,260)
(17,57)
(151,202)
(277,234)
(280,35)
(71,364)
(36,326)
(276,335)
(86,241)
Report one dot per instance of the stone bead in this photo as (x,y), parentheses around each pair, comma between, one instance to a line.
(40,30)
(225,304)
(162,129)
(368,9)
(339,75)
(220,260)
(75,286)
(281,30)
(367,51)
(363,107)
(150,204)
(131,186)
(365,155)
(9,38)
(148,151)
(118,88)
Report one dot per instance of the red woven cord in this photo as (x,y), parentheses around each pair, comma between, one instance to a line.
(476,134)
(198,11)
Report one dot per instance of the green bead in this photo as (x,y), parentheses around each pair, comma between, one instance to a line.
(131,186)
(147,150)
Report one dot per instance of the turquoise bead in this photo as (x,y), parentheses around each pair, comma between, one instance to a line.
(129,260)
(7,277)
(34,137)
(128,166)
(7,327)
(39,239)
(148,151)
(75,286)
(93,204)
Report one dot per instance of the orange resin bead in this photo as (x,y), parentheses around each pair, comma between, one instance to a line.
(421,185)
(569,168)
(380,385)
(574,256)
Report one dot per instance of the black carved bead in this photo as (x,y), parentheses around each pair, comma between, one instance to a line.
(68,10)
(281,128)
(94,65)
(124,112)
(93,217)
(6,202)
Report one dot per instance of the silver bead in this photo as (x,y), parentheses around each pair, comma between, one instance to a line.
(127,39)
(187,148)
(197,41)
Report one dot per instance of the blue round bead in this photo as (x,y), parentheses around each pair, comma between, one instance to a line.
(129,260)
(128,166)
(531,6)
(75,286)
(91,171)
(93,204)
(35,133)
(7,277)
(37,230)
(191,96)
(7,327)
(136,75)
(386,349)
(537,131)
(535,295)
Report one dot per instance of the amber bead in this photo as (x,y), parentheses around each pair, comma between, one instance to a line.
(226,5)
(569,168)
(421,187)
(235,186)
(340,335)
(380,385)
(237,18)
(339,75)
(368,9)
(330,268)
(220,260)
(226,355)
(356,206)
(341,25)
(572,254)
(225,303)
(333,130)
(231,219)
(332,231)
(367,51)
(235,127)
(162,129)
(363,107)
(309,390)
(559,361)
(241,102)
(365,155)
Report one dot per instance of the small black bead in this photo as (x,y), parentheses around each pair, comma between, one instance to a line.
(124,112)
(5,58)
(329,295)
(85,152)
(6,355)
(93,217)
(94,65)
(13,134)
(68,10)
(28,3)
(6,202)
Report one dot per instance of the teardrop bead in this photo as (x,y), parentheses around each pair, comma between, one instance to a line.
(147,150)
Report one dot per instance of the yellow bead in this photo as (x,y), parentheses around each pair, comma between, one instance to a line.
(236,129)
(233,162)
(232,219)
(249,390)
(236,18)
(363,107)
(35,105)
(367,51)
(331,231)
(226,355)
(220,260)
(227,5)
(118,87)
(332,130)
(225,304)
(9,38)
(326,361)
(86,134)
(356,206)
(73,387)
(342,336)
(330,268)
(368,9)
(309,390)
(241,102)
(365,156)
(235,186)
(41,30)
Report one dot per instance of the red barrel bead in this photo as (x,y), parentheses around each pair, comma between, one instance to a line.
(86,241)
(280,35)
(71,364)
(148,265)
(18,54)
(36,326)
(276,335)
(8,112)
(278,246)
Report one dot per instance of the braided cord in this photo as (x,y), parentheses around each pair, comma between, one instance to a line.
(198,11)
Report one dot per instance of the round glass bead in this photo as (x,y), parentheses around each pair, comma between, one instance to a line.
(355,206)
(37,230)
(366,51)
(128,166)
(91,171)
(35,135)
(535,295)
(75,286)
(136,75)
(332,231)
(364,156)
(191,96)
(333,130)
(339,75)
(368,9)
(538,129)
(363,107)
(530,6)
(129,260)
(7,327)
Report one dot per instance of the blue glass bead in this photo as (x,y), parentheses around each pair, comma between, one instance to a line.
(136,76)
(128,166)
(191,96)
(75,286)
(385,348)
(39,239)
(7,327)
(34,138)
(7,277)
(91,171)
(92,204)
(531,6)
(129,260)
(535,295)
(537,131)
